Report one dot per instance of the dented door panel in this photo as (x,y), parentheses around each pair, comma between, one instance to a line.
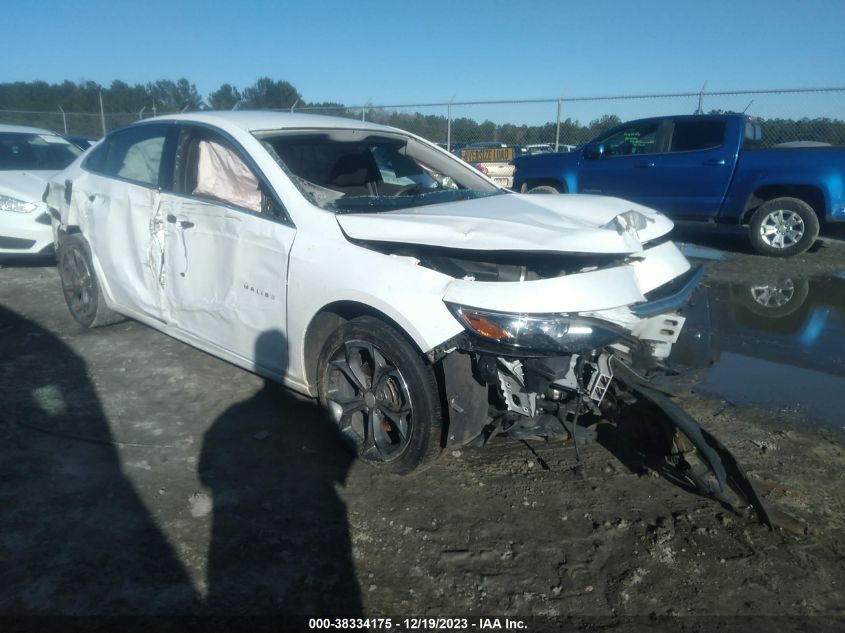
(118,220)
(225,277)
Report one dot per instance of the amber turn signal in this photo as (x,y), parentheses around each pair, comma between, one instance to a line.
(484,326)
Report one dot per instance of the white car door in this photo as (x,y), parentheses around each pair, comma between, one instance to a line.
(226,260)
(117,203)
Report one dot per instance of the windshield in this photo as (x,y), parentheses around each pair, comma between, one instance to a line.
(361,171)
(33,152)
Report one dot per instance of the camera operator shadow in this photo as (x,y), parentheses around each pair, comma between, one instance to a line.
(75,537)
(280,538)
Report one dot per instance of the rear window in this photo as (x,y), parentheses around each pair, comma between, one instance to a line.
(689,136)
(33,152)
(134,154)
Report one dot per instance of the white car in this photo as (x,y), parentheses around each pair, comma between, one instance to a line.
(425,306)
(29,157)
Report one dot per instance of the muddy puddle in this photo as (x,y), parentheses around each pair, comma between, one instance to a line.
(777,342)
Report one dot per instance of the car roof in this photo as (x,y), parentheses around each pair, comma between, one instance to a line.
(686,117)
(24,129)
(257,120)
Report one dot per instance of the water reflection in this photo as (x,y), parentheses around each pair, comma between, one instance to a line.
(697,251)
(777,343)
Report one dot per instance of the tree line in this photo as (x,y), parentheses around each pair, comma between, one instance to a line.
(40,103)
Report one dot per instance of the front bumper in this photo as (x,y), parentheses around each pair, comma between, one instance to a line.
(26,233)
(670,296)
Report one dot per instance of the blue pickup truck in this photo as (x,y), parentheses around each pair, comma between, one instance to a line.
(704,169)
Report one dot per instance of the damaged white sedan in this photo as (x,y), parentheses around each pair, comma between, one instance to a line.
(425,306)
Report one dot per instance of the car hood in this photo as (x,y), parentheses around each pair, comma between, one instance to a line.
(24,185)
(569,223)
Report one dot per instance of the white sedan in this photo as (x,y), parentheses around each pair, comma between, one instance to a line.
(425,306)
(29,156)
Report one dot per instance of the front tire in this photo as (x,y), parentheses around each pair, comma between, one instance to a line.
(381,394)
(81,288)
(783,227)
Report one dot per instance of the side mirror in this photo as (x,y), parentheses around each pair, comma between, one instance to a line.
(594,151)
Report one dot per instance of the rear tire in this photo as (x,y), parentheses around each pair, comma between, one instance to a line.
(783,227)
(381,394)
(81,288)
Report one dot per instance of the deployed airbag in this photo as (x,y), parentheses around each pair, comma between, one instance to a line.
(222,175)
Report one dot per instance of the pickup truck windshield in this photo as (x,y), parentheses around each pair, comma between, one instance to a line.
(360,171)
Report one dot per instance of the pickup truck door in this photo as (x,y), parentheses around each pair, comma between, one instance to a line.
(630,166)
(227,245)
(694,176)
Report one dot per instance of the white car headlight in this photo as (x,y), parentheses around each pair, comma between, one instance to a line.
(542,333)
(16,206)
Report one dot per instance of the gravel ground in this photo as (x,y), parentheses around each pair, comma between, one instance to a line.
(141,476)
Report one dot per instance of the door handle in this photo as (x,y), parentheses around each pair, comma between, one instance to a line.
(185,224)
(645,164)
(715,162)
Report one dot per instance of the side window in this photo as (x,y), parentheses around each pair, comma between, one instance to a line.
(134,154)
(636,139)
(689,136)
(210,168)
(222,175)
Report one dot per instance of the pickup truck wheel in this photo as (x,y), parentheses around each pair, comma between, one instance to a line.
(543,189)
(783,227)
(775,299)
(80,285)
(382,396)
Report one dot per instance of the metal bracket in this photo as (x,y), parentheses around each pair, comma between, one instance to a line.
(601,379)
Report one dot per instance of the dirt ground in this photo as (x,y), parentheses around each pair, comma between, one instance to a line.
(140,476)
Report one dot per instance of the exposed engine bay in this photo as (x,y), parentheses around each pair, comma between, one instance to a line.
(569,396)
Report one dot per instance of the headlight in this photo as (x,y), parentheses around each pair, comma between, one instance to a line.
(15,205)
(542,333)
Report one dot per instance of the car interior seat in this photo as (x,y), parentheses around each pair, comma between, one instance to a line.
(355,174)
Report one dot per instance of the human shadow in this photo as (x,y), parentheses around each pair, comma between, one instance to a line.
(75,537)
(280,540)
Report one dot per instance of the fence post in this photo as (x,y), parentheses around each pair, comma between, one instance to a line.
(557,132)
(64,118)
(449,125)
(102,113)
(700,109)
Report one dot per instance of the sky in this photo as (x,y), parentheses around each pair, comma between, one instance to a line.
(394,52)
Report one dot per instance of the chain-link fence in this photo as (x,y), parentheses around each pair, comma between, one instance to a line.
(87,124)
(803,114)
